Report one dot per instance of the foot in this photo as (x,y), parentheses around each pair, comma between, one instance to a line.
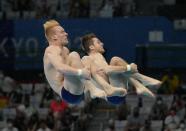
(116,91)
(93,90)
(140,89)
(144,91)
(97,93)
(147,81)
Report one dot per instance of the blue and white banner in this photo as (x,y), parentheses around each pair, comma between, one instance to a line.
(22,43)
(7,49)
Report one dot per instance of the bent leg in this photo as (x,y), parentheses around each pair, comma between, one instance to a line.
(146,80)
(118,61)
(73,84)
(90,86)
(127,77)
(94,91)
(118,79)
(104,84)
(140,89)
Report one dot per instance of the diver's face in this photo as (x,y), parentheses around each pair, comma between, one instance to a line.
(98,45)
(60,35)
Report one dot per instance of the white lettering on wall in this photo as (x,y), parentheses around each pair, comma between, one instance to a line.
(32,47)
(28,47)
(17,45)
(2,48)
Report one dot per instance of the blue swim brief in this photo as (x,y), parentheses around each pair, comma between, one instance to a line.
(71,98)
(116,99)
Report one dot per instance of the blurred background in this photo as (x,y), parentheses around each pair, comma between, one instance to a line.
(150,33)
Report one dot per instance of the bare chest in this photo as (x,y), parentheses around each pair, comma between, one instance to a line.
(64,56)
(99,61)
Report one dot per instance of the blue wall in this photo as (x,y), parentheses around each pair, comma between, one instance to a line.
(120,36)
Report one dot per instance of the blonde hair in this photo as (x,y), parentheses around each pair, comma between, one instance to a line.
(48,25)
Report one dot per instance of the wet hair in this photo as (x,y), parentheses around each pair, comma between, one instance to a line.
(86,41)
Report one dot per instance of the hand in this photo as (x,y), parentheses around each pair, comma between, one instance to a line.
(134,68)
